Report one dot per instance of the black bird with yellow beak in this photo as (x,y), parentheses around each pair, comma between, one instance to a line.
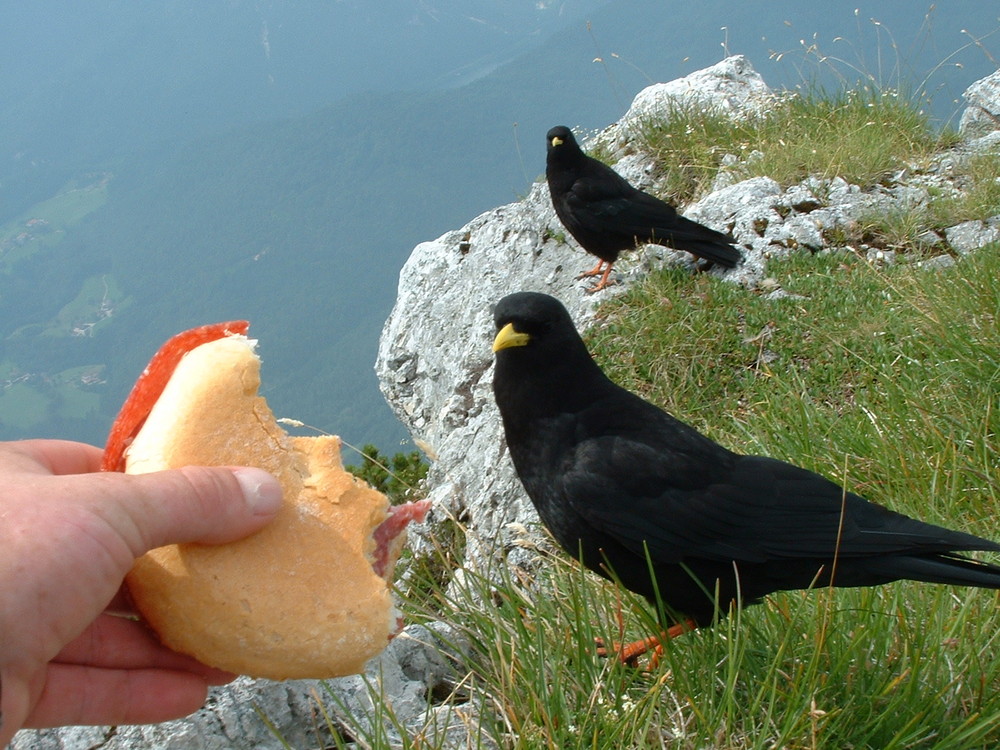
(631,489)
(606,214)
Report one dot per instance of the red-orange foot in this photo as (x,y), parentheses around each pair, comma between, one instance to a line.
(603,283)
(629,653)
(595,271)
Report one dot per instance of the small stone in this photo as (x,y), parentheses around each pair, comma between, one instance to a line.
(938,262)
(971,235)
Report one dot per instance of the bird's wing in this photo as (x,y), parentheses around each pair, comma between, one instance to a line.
(599,198)
(599,191)
(757,509)
(607,203)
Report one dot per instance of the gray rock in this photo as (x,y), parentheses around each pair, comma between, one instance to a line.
(731,87)
(435,353)
(938,262)
(803,198)
(927,241)
(881,257)
(982,115)
(987,143)
(798,232)
(773,296)
(972,235)
(639,170)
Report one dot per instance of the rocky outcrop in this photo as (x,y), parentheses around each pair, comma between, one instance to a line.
(731,88)
(982,116)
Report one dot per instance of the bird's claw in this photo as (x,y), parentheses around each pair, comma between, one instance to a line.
(602,269)
(599,286)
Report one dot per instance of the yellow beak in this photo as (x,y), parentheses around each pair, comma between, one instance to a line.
(508,337)
(557,141)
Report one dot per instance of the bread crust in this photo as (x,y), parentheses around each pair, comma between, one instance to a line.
(298,599)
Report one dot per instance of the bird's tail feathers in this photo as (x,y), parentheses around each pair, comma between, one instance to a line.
(948,569)
(717,252)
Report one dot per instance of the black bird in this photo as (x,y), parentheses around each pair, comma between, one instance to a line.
(607,215)
(615,478)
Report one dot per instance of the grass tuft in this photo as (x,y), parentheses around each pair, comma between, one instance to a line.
(980,198)
(862,135)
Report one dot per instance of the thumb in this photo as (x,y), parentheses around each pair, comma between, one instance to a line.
(196,504)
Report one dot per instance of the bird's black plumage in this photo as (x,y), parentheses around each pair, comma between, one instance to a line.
(614,477)
(606,214)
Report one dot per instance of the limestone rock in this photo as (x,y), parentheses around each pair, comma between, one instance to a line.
(982,116)
(731,87)
(972,235)
(435,358)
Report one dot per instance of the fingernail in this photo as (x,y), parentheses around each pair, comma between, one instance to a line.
(261,490)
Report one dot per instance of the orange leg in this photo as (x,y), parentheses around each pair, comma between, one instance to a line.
(629,653)
(604,282)
(595,271)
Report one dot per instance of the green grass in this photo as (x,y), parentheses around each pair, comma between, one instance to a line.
(98,299)
(886,379)
(861,135)
(21,405)
(890,373)
(67,394)
(978,200)
(74,398)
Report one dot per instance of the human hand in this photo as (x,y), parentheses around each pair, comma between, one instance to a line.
(68,536)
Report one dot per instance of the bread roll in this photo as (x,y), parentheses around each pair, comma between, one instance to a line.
(298,599)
